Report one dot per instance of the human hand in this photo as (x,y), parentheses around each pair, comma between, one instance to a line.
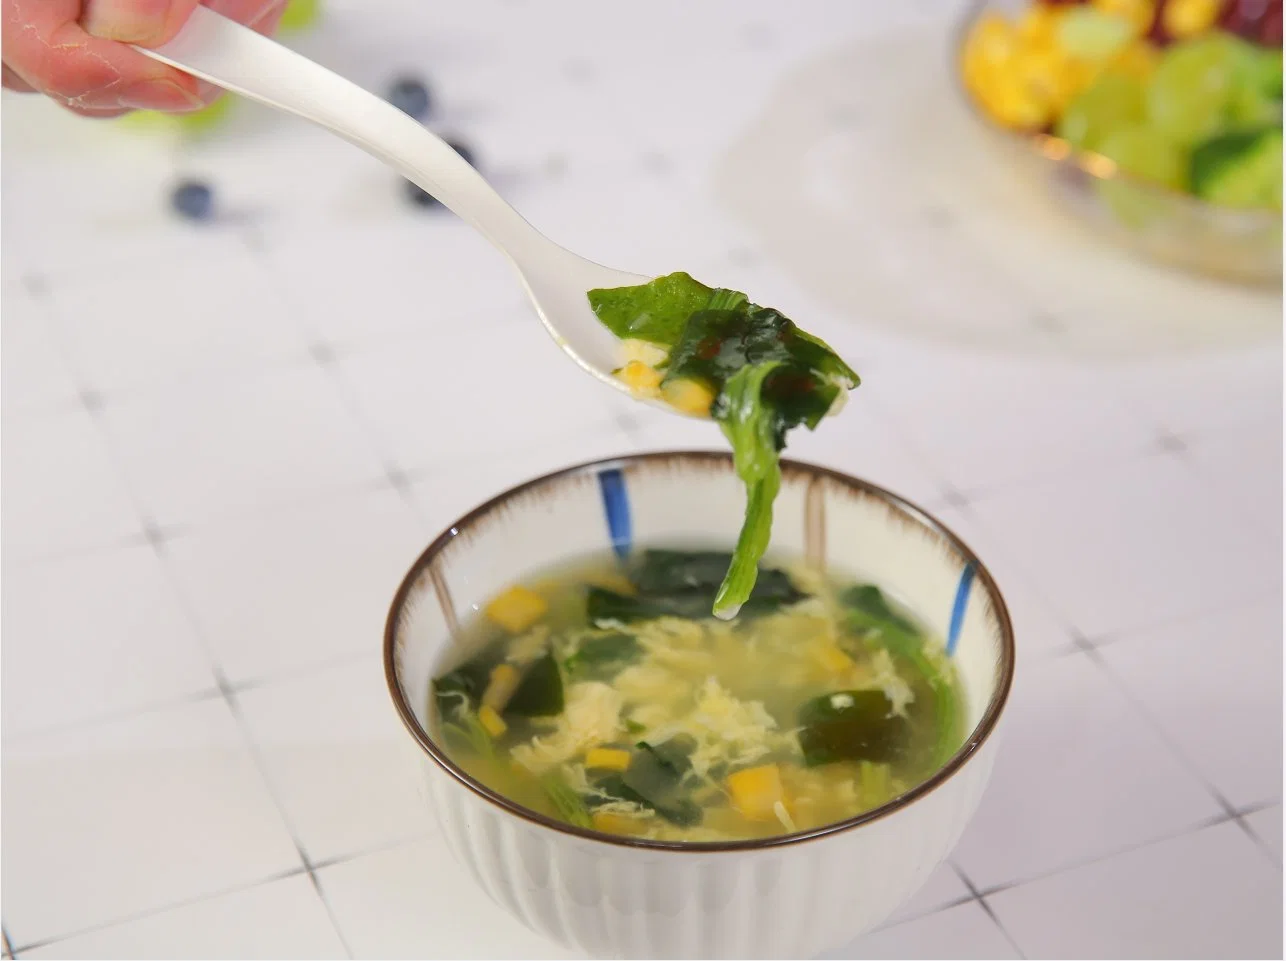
(77,51)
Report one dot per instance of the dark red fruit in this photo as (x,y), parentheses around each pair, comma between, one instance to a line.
(1270,31)
(1157,32)
(1258,21)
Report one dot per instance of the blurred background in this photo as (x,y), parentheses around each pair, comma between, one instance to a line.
(248,374)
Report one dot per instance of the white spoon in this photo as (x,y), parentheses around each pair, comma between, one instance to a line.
(237,58)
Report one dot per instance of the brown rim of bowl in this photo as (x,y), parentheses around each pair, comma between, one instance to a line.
(1060,151)
(976,738)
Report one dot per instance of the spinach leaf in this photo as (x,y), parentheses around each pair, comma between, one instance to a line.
(767,376)
(469,734)
(852,726)
(682,811)
(603,606)
(604,656)
(569,805)
(663,572)
(716,342)
(540,692)
(461,688)
(751,428)
(873,619)
(655,311)
(868,601)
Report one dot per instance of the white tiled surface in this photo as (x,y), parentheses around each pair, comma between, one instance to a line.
(223,445)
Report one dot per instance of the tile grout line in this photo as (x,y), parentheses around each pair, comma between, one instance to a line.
(1210,822)
(982,903)
(237,888)
(1229,809)
(171,906)
(154,536)
(261,765)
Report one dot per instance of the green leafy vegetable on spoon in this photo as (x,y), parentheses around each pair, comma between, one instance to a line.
(713,353)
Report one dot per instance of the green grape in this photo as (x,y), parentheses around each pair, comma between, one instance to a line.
(1193,89)
(1240,169)
(299,14)
(1257,101)
(195,122)
(1090,34)
(1146,153)
(1112,102)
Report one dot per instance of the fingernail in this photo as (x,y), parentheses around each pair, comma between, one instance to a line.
(129,21)
(160,95)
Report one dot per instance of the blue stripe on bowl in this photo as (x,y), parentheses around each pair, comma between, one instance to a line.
(958,608)
(616,506)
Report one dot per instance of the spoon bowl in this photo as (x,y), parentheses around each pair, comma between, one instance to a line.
(236,58)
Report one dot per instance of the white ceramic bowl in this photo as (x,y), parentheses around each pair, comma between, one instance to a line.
(786,897)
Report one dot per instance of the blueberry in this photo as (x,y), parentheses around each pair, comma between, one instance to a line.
(419,196)
(411,97)
(193,200)
(463,150)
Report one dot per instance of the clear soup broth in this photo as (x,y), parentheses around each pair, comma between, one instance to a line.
(605,694)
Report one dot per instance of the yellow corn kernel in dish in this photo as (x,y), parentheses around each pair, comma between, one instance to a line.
(607,759)
(501,686)
(517,609)
(639,377)
(1038,25)
(1017,109)
(1138,60)
(835,660)
(992,40)
(689,396)
(1045,75)
(491,722)
(1187,18)
(612,581)
(756,791)
(610,822)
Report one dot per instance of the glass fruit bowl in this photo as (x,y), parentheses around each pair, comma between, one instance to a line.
(1157,220)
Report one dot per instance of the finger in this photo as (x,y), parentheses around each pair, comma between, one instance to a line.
(98,113)
(151,23)
(47,49)
(14,82)
(147,22)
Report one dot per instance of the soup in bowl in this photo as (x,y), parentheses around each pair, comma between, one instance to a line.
(632,776)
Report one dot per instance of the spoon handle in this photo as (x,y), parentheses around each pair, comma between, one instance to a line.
(225,53)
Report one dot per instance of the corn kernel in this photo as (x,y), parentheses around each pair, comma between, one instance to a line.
(610,822)
(501,686)
(517,609)
(1018,109)
(1044,75)
(639,377)
(1038,25)
(1138,60)
(688,396)
(992,40)
(756,791)
(608,759)
(491,722)
(612,581)
(835,660)
(1187,18)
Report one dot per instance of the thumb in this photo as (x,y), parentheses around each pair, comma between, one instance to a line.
(147,22)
